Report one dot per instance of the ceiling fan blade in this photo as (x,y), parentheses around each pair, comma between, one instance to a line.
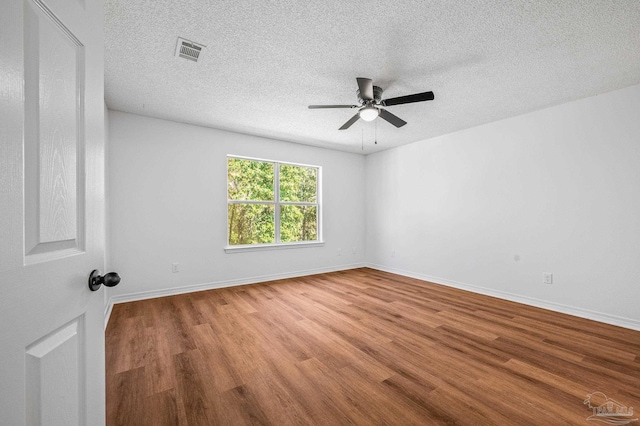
(366,88)
(348,124)
(416,97)
(393,119)
(331,106)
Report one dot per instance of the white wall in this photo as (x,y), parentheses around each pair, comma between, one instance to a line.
(493,207)
(167,184)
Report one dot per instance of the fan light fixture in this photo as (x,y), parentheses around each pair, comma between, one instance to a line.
(370,104)
(368,113)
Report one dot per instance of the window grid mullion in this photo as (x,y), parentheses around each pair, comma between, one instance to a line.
(250,202)
(297,203)
(276,192)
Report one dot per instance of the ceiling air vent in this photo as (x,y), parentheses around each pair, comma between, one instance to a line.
(188,50)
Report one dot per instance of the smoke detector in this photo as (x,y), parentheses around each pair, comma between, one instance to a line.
(187,49)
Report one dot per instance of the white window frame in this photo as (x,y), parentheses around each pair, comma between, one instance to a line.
(276,208)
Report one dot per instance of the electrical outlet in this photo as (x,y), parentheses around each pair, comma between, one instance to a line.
(353,250)
(547,278)
(393,253)
(175,267)
(339,252)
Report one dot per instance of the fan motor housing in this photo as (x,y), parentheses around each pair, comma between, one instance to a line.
(377,95)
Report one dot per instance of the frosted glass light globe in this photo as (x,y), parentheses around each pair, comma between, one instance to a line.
(368,113)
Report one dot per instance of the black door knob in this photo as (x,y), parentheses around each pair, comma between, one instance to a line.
(96,280)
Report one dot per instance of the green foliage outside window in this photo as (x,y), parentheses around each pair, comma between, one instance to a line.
(254,220)
(298,183)
(251,224)
(250,180)
(298,223)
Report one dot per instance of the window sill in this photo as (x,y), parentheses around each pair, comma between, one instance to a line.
(282,246)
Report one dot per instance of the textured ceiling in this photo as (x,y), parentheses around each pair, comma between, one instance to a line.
(266,61)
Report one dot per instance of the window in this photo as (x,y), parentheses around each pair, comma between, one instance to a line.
(272,203)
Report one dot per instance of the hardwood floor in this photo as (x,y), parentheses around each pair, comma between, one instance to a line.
(359,347)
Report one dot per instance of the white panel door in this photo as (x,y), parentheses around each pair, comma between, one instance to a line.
(52,212)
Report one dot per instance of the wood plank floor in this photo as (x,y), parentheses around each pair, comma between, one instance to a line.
(359,347)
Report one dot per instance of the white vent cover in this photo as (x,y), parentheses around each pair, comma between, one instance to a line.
(188,49)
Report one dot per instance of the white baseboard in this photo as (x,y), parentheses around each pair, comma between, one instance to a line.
(552,306)
(142,295)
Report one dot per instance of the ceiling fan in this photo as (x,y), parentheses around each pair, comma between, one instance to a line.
(371,103)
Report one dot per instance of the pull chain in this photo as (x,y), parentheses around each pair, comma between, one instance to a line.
(376,136)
